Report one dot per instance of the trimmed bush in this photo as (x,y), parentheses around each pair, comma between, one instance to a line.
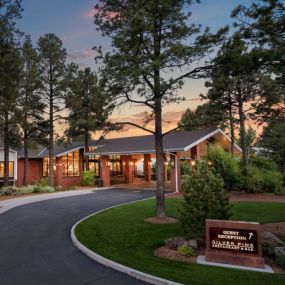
(88,178)
(226,165)
(204,198)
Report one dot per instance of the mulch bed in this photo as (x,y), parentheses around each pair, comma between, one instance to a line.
(161,221)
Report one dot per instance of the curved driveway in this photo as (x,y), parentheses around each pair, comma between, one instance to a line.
(35,244)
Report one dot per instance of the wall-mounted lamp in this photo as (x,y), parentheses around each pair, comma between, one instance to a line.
(165,163)
(149,163)
(193,162)
(210,163)
(124,163)
(131,163)
(108,164)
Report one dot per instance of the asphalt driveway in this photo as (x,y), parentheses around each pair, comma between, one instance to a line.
(35,244)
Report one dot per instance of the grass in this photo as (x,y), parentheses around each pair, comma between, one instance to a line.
(122,235)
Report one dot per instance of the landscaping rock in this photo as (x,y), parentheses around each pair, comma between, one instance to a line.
(272,239)
(175,242)
(192,243)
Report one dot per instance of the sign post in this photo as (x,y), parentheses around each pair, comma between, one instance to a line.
(234,242)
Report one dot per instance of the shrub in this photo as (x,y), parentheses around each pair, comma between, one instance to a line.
(44,181)
(259,180)
(88,178)
(204,198)
(268,249)
(263,162)
(273,182)
(186,250)
(42,189)
(280,260)
(226,165)
(26,189)
(185,168)
(253,180)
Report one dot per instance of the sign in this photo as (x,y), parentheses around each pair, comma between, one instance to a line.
(234,242)
(239,240)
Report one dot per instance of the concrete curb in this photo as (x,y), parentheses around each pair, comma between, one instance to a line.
(114,265)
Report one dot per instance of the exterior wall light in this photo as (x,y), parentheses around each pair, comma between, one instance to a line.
(131,163)
(108,163)
(210,163)
(193,162)
(149,163)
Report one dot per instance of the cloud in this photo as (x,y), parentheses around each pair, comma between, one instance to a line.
(94,11)
(86,54)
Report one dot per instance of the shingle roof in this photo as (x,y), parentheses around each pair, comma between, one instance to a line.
(175,141)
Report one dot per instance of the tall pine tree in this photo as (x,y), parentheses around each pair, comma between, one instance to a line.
(88,106)
(33,123)
(10,11)
(149,41)
(53,71)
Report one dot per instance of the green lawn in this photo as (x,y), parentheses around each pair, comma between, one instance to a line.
(122,235)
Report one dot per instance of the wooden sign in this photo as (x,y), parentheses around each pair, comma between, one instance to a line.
(234,242)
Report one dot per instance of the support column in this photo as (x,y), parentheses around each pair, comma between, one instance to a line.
(165,168)
(147,167)
(175,172)
(194,155)
(129,169)
(105,171)
(58,172)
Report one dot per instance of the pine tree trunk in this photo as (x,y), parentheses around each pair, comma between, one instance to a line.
(232,131)
(160,201)
(242,135)
(51,133)
(86,158)
(6,150)
(26,161)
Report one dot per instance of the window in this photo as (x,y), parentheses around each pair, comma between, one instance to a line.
(70,164)
(11,169)
(46,166)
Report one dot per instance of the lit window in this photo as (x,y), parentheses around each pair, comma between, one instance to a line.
(11,169)
(46,166)
(70,164)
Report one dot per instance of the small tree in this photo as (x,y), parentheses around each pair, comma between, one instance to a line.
(204,198)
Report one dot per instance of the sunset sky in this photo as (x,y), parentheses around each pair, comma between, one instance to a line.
(72,21)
